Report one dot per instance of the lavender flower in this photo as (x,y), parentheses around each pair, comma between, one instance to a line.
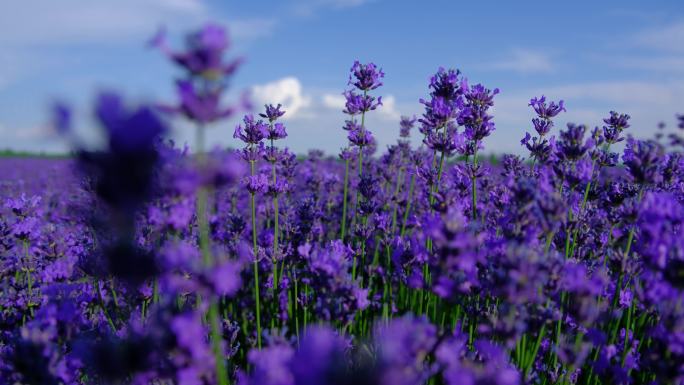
(204,53)
(544,110)
(405,125)
(253,132)
(365,77)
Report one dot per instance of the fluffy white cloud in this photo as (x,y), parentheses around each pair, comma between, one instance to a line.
(251,28)
(388,110)
(667,38)
(28,133)
(661,63)
(308,8)
(287,91)
(345,3)
(81,21)
(524,61)
(621,92)
(333,101)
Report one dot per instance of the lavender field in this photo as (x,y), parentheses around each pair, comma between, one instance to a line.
(423,262)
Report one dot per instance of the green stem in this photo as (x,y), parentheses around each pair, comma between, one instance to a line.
(474,183)
(395,195)
(360,157)
(275,223)
(344,200)
(216,338)
(207,259)
(439,179)
(408,204)
(535,350)
(256,262)
(29,277)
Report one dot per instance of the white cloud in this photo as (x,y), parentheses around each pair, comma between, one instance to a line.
(334,101)
(665,45)
(620,93)
(525,61)
(345,3)
(666,38)
(182,5)
(28,133)
(388,110)
(81,21)
(664,63)
(251,28)
(307,8)
(35,133)
(287,91)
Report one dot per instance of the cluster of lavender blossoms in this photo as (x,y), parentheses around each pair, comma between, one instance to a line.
(141,262)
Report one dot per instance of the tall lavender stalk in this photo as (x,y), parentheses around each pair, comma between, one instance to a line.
(478,125)
(199,95)
(438,120)
(364,77)
(252,134)
(276,131)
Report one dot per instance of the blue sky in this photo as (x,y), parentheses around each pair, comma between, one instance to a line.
(597,56)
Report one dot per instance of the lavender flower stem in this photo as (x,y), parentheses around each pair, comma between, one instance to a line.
(394,196)
(344,200)
(204,241)
(256,262)
(275,224)
(408,204)
(474,182)
(216,339)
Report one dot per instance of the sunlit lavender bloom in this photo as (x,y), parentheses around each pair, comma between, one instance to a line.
(62,118)
(480,96)
(446,99)
(271,366)
(321,358)
(617,121)
(490,367)
(204,53)
(541,149)
(474,116)
(542,126)
(615,124)
(545,111)
(405,125)
(202,106)
(446,142)
(358,103)
(276,132)
(272,112)
(401,346)
(360,138)
(571,144)
(351,125)
(365,77)
(255,183)
(642,159)
(660,214)
(253,131)
(447,84)
(438,112)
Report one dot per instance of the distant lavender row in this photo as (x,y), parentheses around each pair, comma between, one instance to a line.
(143,263)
